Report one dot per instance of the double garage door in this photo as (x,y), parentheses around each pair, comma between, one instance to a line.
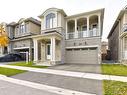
(82,56)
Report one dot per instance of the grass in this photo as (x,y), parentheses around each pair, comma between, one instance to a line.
(29,64)
(10,72)
(114,69)
(114,88)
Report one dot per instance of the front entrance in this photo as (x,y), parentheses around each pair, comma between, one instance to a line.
(48,51)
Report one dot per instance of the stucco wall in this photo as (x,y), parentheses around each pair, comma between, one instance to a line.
(35,29)
(21,43)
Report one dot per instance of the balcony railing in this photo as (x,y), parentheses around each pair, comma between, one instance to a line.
(82,34)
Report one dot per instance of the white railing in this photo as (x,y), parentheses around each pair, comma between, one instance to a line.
(82,34)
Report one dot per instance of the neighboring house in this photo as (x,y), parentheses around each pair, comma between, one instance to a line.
(117,38)
(72,39)
(20,35)
(104,48)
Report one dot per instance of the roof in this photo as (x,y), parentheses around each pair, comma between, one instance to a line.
(54,9)
(25,20)
(117,20)
(85,13)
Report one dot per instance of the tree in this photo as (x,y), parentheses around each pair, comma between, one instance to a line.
(3,37)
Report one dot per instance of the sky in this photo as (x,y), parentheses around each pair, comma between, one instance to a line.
(13,10)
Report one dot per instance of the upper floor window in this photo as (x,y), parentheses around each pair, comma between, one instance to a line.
(50,18)
(22,28)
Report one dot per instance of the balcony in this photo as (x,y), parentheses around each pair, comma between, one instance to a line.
(82,34)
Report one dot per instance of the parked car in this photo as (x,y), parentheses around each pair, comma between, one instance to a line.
(11,57)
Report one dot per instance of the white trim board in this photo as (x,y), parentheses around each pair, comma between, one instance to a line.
(22,48)
(90,46)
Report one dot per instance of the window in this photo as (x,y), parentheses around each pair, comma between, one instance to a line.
(94,30)
(50,18)
(22,28)
(48,49)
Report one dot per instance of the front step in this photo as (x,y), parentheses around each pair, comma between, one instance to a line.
(43,63)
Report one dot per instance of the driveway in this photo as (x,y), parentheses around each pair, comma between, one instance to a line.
(92,68)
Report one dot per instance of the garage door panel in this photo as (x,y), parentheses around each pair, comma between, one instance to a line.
(81,56)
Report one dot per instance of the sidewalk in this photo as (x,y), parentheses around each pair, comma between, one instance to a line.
(70,73)
(44,89)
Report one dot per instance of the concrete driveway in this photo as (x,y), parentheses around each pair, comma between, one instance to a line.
(94,68)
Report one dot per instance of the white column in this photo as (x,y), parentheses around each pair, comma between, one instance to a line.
(88,32)
(35,49)
(53,43)
(123,53)
(66,30)
(76,32)
(99,25)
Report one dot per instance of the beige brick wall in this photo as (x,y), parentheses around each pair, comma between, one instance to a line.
(83,42)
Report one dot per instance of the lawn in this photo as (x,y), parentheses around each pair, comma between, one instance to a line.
(29,64)
(10,72)
(114,88)
(114,69)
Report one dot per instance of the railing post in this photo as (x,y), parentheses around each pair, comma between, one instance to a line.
(88,32)
(66,30)
(76,35)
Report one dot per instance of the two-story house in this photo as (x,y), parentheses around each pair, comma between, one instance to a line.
(74,39)
(20,35)
(117,37)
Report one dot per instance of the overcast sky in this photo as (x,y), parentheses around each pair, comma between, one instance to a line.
(13,10)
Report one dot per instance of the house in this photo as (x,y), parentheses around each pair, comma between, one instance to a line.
(74,39)
(104,48)
(20,34)
(117,38)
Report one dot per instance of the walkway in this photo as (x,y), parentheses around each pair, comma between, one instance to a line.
(70,73)
(11,86)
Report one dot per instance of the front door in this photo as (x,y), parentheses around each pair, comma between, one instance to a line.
(48,51)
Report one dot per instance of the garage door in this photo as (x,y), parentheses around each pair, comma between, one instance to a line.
(82,56)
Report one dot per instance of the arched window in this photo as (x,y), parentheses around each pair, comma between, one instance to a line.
(50,20)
